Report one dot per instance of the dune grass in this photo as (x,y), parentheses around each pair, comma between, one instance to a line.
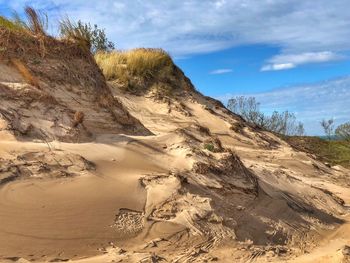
(9,24)
(141,62)
(35,23)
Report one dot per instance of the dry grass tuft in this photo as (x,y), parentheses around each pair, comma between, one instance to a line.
(142,62)
(37,22)
(24,71)
(137,70)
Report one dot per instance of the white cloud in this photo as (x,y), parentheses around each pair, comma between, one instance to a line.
(197,26)
(219,3)
(311,102)
(281,66)
(220,71)
(288,61)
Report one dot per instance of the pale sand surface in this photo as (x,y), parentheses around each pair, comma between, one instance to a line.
(91,216)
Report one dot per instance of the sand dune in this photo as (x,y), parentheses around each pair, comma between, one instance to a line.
(92,173)
(143,196)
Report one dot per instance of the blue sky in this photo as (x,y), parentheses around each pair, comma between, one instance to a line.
(290,54)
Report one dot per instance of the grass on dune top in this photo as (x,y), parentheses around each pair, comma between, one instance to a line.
(141,62)
(334,151)
(8,24)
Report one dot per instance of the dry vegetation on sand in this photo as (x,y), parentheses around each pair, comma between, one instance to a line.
(142,62)
(138,70)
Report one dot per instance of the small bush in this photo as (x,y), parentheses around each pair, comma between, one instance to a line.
(209,147)
(88,37)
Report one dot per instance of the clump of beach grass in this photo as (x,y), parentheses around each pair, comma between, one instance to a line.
(142,62)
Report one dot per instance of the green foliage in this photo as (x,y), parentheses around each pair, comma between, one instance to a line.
(87,36)
(209,147)
(343,131)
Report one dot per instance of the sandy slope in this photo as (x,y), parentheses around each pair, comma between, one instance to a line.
(165,196)
(91,174)
(138,177)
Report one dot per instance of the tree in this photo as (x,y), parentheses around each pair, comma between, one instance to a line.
(283,123)
(93,38)
(343,131)
(248,108)
(328,127)
(300,131)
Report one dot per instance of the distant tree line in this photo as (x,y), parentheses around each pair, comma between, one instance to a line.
(284,123)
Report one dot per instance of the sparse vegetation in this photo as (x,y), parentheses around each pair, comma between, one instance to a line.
(36,22)
(213,145)
(333,152)
(209,147)
(284,123)
(89,37)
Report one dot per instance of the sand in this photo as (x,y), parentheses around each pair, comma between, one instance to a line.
(164,196)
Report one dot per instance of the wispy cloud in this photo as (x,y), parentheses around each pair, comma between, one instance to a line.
(220,71)
(288,61)
(200,26)
(278,66)
(311,103)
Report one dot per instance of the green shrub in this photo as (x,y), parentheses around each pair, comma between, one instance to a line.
(209,147)
(88,37)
